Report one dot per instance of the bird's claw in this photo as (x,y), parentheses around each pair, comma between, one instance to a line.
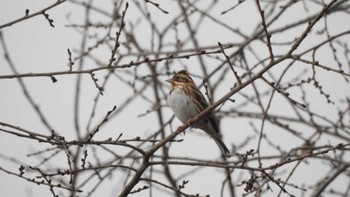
(189,121)
(181,128)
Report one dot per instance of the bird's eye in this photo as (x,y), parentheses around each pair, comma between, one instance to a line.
(181,79)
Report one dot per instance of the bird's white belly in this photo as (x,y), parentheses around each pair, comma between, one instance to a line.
(181,105)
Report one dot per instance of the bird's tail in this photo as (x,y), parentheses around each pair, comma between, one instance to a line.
(212,129)
(222,146)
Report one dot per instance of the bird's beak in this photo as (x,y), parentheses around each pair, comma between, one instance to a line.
(168,80)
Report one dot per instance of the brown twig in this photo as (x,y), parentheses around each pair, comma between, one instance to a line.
(27,16)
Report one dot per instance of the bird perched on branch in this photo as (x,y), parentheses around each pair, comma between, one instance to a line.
(187,101)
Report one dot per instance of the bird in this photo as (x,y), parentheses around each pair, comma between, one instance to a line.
(187,101)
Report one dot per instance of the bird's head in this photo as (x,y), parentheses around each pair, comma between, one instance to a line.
(180,78)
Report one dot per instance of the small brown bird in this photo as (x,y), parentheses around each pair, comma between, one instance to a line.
(187,101)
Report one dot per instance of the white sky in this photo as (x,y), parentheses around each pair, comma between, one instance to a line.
(36,47)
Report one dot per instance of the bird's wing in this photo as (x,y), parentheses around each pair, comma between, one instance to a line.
(198,100)
(200,105)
